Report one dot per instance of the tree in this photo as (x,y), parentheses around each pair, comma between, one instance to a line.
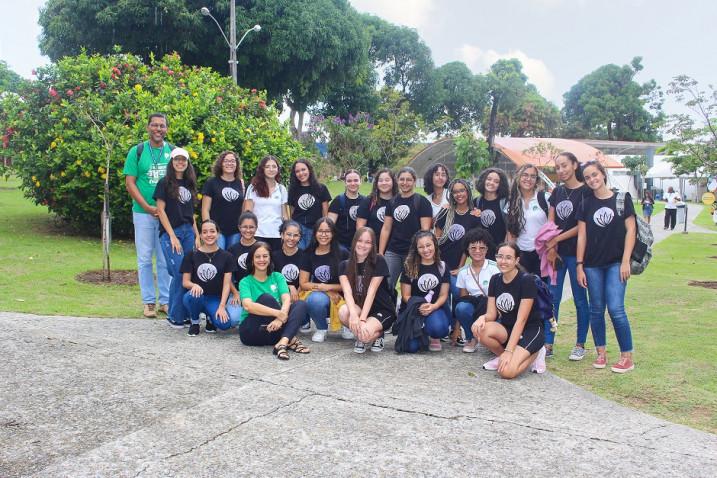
(472,154)
(351,97)
(352,146)
(9,80)
(533,116)
(693,146)
(458,97)
(609,104)
(638,168)
(395,130)
(506,86)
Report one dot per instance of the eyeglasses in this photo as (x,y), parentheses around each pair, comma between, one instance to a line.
(247,228)
(323,233)
(292,235)
(501,257)
(532,177)
(229,160)
(478,248)
(158,126)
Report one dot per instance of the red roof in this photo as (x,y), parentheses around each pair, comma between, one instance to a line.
(542,151)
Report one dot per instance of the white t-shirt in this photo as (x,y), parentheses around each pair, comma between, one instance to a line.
(671,199)
(465,279)
(268,210)
(437,207)
(535,218)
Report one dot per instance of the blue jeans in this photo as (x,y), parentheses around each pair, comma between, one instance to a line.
(209,305)
(307,233)
(605,289)
(185,234)
(146,242)
(436,325)
(579,297)
(395,267)
(225,241)
(466,314)
(319,306)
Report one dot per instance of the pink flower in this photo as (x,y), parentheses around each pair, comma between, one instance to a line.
(70,92)
(34,72)
(53,92)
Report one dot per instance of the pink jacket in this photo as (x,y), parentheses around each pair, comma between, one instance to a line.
(545,234)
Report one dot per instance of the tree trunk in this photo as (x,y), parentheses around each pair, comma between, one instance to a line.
(300,126)
(609,131)
(491,129)
(292,121)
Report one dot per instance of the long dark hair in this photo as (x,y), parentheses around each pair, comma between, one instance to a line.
(217,167)
(503,187)
(573,159)
(413,259)
(294,182)
(452,204)
(515,219)
(259,179)
(375,194)
(335,246)
(250,258)
(428,177)
(359,293)
(190,180)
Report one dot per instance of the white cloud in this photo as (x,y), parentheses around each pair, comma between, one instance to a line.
(411,13)
(536,70)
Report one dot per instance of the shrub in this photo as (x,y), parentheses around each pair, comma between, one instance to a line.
(55,129)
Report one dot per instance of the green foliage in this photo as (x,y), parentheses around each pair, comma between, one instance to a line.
(609,104)
(506,86)
(396,128)
(352,145)
(60,156)
(533,116)
(459,96)
(636,164)
(9,80)
(472,154)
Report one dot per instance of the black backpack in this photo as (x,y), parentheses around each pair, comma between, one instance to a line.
(140,148)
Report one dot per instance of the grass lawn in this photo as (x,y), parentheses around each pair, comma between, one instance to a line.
(657,208)
(705,220)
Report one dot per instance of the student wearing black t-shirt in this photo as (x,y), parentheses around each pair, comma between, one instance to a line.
(565,201)
(370,307)
(319,275)
(406,214)
(175,195)
(606,238)
(512,328)
(372,209)
(240,251)
(490,207)
(223,198)
(343,210)
(425,275)
(207,275)
(308,199)
(287,259)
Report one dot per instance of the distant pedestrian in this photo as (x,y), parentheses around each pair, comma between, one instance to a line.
(648,203)
(672,199)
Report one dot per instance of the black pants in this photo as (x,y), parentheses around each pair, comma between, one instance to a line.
(252,331)
(670,218)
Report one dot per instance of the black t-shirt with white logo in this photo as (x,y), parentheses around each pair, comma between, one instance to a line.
(307,205)
(508,297)
(323,268)
(429,279)
(288,265)
(240,252)
(566,203)
(452,249)
(227,200)
(491,218)
(208,269)
(179,210)
(605,229)
(406,220)
(347,210)
(374,217)
(384,301)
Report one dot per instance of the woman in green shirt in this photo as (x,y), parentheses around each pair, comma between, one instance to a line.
(268,316)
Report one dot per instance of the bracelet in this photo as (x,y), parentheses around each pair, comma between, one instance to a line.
(508,350)
(579,263)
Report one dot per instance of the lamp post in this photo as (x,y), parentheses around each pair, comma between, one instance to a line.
(232,40)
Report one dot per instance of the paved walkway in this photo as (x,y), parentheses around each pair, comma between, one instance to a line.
(126,398)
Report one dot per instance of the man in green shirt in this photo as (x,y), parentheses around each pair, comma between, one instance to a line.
(144,167)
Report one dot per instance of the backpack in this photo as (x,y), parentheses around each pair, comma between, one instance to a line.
(140,148)
(544,302)
(642,252)
(502,205)
(543,201)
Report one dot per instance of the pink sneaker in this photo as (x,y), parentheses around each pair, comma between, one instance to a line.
(623,365)
(539,362)
(434,345)
(492,364)
(600,361)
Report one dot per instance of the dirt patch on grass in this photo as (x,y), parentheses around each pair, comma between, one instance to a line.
(707,284)
(118,277)
(713,257)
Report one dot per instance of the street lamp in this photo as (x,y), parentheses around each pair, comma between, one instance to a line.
(232,40)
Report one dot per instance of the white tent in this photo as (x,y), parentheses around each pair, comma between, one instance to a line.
(662,170)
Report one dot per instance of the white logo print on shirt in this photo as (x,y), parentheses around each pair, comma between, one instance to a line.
(381,213)
(487,217)
(206,272)
(603,216)
(353,212)
(564,209)
(401,212)
(505,302)
(242,261)
(427,282)
(323,273)
(306,201)
(184,195)
(290,272)
(230,194)
(456,232)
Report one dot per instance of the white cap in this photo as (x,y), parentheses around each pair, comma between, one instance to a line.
(179,152)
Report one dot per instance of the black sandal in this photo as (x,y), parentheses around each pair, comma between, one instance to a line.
(280,352)
(298,347)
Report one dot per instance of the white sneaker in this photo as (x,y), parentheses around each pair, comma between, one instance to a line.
(470,346)
(306,328)
(359,347)
(539,362)
(319,335)
(377,345)
(492,364)
(346,333)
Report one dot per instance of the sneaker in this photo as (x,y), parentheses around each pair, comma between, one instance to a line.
(149,311)
(539,362)
(600,361)
(359,347)
(434,345)
(319,335)
(164,309)
(460,342)
(470,346)
(492,364)
(306,328)
(188,321)
(578,353)
(377,345)
(209,326)
(623,365)
(174,325)
(346,333)
(548,352)
(193,330)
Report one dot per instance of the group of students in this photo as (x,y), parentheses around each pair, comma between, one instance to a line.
(271,260)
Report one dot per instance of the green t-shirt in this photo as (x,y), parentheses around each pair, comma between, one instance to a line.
(151,167)
(251,288)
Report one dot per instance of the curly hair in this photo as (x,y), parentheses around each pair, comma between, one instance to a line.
(413,258)
(478,234)
(515,219)
(217,167)
(359,293)
(428,177)
(503,186)
(452,204)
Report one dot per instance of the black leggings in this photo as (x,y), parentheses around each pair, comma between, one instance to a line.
(670,218)
(252,330)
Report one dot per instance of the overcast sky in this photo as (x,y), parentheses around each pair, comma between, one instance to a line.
(558,41)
